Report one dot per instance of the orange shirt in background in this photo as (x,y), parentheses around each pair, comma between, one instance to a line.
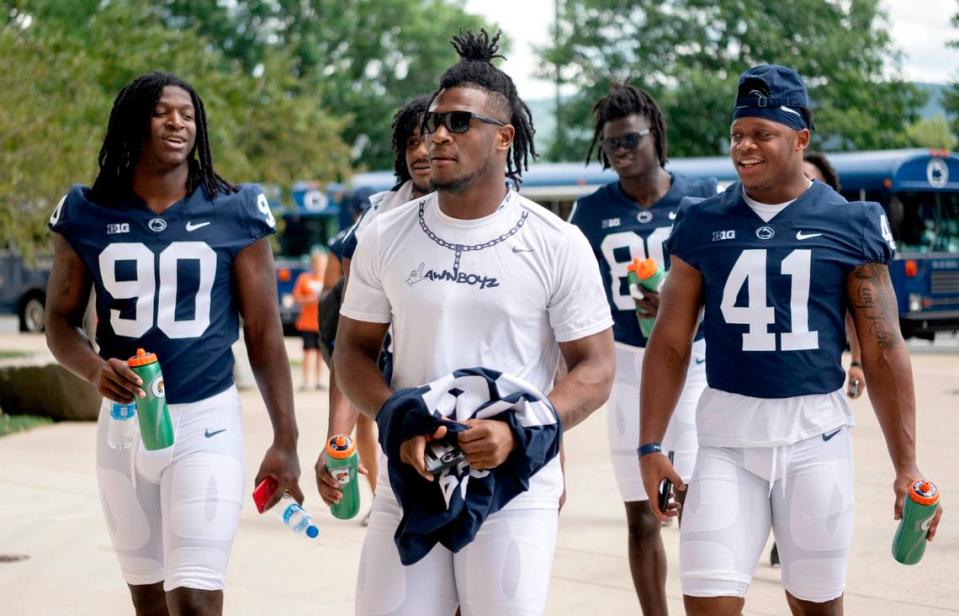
(308,286)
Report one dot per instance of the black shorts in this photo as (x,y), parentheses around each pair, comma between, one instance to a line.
(311,341)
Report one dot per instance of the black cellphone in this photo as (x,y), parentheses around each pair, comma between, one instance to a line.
(665,488)
(442,454)
(853,388)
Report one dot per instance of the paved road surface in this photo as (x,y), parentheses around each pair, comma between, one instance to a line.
(49,511)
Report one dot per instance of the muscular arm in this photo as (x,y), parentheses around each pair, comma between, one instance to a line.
(885,361)
(358,345)
(585,386)
(256,291)
(68,291)
(664,370)
(668,349)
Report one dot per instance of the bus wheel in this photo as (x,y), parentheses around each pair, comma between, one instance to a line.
(31,314)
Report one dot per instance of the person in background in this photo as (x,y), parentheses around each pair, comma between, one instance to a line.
(306,293)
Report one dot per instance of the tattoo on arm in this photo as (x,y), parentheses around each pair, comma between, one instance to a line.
(873,298)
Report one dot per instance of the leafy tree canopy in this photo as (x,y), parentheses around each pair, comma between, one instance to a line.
(689,53)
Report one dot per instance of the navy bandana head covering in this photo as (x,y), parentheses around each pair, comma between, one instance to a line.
(772,92)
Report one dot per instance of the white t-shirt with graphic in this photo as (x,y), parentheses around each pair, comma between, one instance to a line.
(499,292)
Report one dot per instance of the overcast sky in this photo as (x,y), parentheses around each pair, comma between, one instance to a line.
(920,29)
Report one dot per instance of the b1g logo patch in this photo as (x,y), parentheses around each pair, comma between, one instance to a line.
(156,387)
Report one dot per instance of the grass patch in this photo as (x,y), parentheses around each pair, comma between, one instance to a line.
(13,354)
(296,363)
(18,423)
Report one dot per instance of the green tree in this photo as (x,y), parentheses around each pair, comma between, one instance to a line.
(950,96)
(689,53)
(357,58)
(60,80)
(934,132)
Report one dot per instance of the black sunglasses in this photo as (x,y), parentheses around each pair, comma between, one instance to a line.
(454,121)
(630,141)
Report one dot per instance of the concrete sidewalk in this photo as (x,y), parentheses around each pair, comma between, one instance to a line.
(49,512)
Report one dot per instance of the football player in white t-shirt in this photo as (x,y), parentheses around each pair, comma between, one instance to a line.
(775,261)
(473,275)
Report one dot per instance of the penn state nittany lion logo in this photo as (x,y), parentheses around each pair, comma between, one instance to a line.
(765,233)
(156,387)
(937,172)
(645,216)
(157,224)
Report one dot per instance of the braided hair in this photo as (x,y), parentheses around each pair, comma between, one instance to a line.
(128,129)
(476,69)
(404,122)
(819,160)
(625,99)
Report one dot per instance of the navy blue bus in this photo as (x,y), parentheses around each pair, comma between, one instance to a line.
(919,190)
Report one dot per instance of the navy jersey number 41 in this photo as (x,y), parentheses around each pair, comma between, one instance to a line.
(775,292)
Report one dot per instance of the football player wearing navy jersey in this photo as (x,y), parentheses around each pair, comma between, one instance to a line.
(473,275)
(176,255)
(775,261)
(625,220)
(411,165)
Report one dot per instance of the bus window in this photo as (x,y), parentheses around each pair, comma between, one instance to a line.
(929,222)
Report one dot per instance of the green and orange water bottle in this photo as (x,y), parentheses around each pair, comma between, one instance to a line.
(645,274)
(156,428)
(343,463)
(920,506)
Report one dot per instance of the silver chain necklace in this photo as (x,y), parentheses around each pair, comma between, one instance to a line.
(459,249)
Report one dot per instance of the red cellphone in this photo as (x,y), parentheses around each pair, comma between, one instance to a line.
(262,493)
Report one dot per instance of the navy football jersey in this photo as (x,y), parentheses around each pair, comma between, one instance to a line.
(775,292)
(619,231)
(163,282)
(336,243)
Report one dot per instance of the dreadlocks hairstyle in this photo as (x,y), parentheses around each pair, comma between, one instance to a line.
(475,69)
(128,129)
(625,99)
(404,122)
(819,160)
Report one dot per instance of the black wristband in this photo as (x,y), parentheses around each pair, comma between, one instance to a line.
(855,364)
(648,448)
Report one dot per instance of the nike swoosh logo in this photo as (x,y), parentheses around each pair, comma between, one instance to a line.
(521,249)
(193,227)
(208,434)
(672,215)
(700,361)
(805,236)
(826,437)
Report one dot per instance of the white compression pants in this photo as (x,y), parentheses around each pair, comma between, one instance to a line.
(804,491)
(622,419)
(505,571)
(172,513)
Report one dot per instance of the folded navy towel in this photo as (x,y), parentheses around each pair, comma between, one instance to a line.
(451,509)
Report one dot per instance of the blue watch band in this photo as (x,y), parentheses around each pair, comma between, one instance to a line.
(648,448)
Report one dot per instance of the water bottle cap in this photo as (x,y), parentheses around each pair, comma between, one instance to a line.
(647,269)
(633,265)
(142,358)
(340,446)
(312,531)
(924,493)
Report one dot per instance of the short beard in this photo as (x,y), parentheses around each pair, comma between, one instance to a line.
(459,185)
